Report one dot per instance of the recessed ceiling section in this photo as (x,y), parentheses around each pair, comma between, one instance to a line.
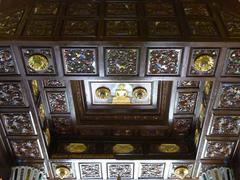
(125,93)
(122,98)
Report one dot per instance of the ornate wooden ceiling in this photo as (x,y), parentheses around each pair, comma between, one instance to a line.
(132,80)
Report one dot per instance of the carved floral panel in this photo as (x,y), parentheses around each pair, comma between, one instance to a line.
(83,8)
(166,28)
(164,61)
(45,28)
(124,170)
(9,23)
(121,28)
(121,9)
(122,61)
(219,149)
(80,60)
(195,9)
(229,96)
(80,28)
(232,23)
(226,125)
(188,84)
(90,170)
(26,149)
(62,124)
(53,83)
(11,94)
(46,8)
(232,62)
(202,28)
(182,125)
(18,123)
(159,8)
(152,170)
(186,102)
(7,63)
(203,61)
(39,61)
(57,102)
(66,164)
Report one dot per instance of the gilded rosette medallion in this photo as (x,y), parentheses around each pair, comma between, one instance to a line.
(38,62)
(204,63)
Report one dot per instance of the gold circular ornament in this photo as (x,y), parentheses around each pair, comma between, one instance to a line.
(181,172)
(76,148)
(140,93)
(62,172)
(123,148)
(103,93)
(203,63)
(169,148)
(38,62)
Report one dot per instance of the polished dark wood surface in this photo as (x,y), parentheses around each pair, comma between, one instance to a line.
(101,129)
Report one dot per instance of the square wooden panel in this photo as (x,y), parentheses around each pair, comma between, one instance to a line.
(11,94)
(78,27)
(90,170)
(195,9)
(26,149)
(232,65)
(228,96)
(46,8)
(40,27)
(10,22)
(219,149)
(186,102)
(120,9)
(70,165)
(62,124)
(124,170)
(88,8)
(57,101)
(163,61)
(203,61)
(202,28)
(7,61)
(39,60)
(231,22)
(122,28)
(225,125)
(152,170)
(165,28)
(80,61)
(20,123)
(182,125)
(121,61)
(159,8)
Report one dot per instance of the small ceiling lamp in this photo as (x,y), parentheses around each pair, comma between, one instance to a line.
(181,172)
(62,172)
